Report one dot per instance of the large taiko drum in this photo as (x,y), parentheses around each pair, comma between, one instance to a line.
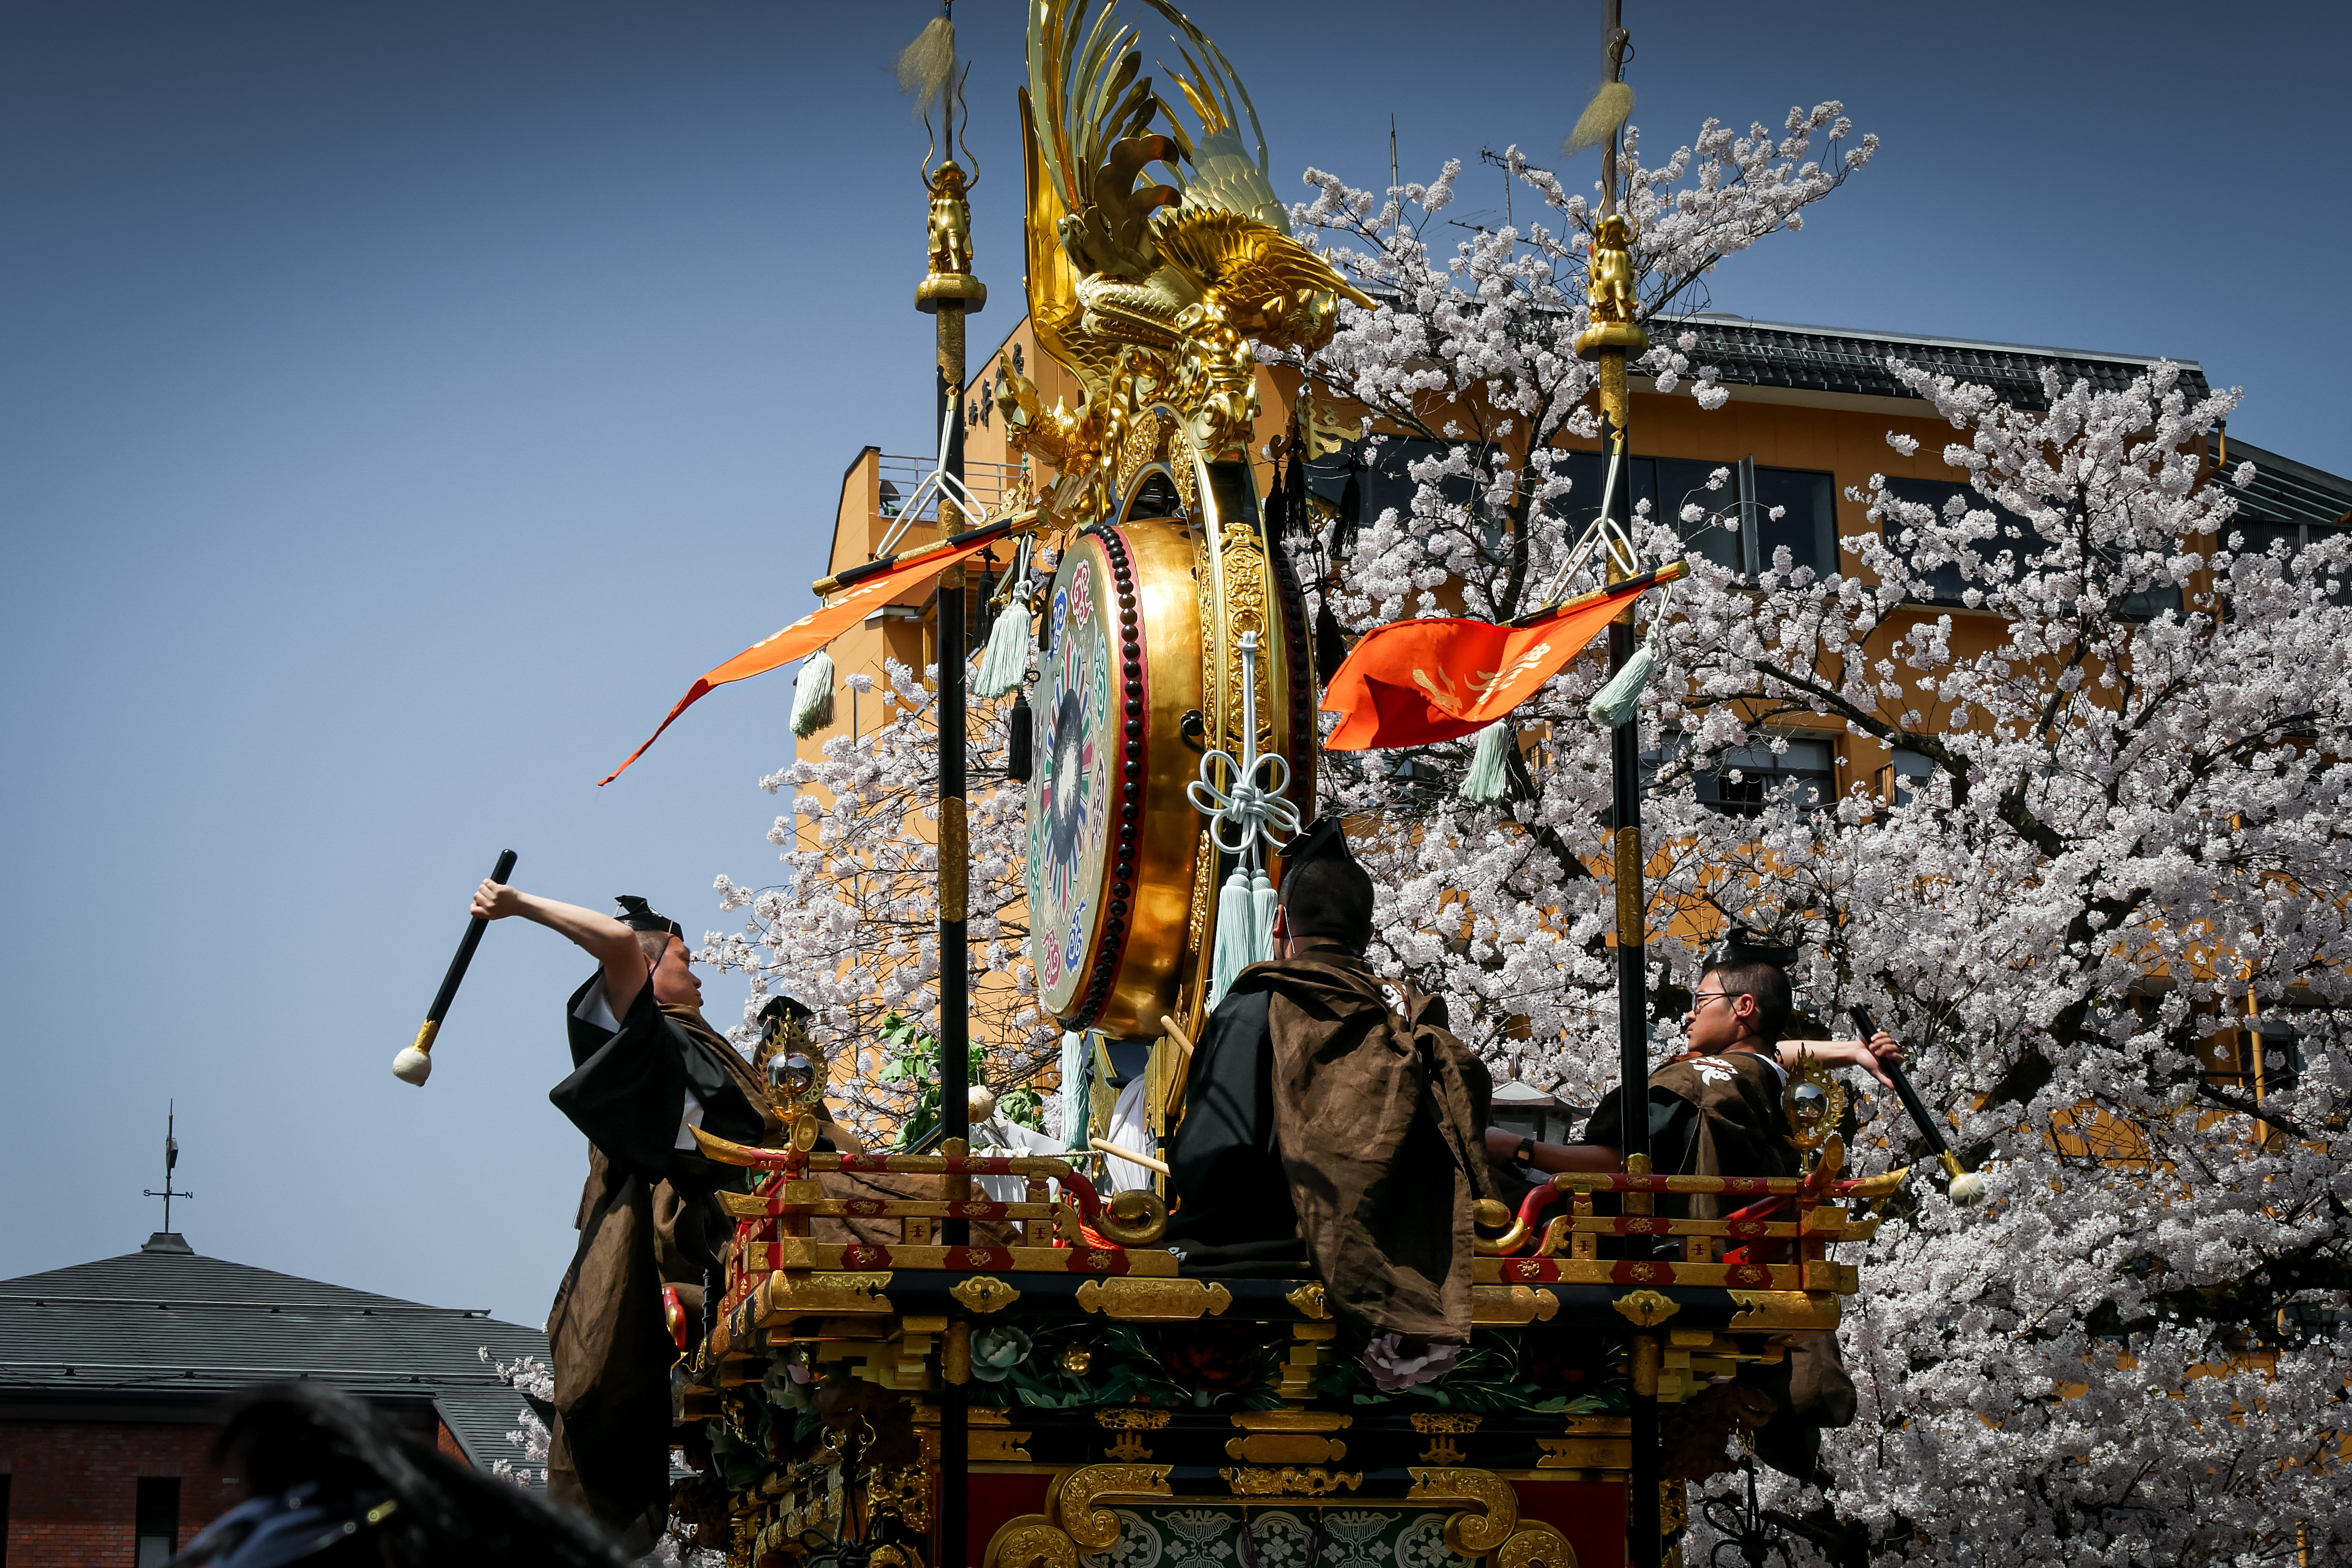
(1120,883)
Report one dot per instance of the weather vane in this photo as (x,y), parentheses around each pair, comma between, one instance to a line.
(171,1164)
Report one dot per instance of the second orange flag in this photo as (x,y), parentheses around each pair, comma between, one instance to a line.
(1414,683)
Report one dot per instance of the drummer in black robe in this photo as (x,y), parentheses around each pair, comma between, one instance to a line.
(647,1069)
(1332,1124)
(1716,1110)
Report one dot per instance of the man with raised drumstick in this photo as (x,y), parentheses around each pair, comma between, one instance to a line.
(647,1069)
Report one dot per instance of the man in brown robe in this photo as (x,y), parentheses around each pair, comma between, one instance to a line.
(1332,1119)
(1716,1111)
(647,1069)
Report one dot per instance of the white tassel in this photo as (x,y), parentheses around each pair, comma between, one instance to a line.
(1617,701)
(1261,931)
(1487,783)
(1232,953)
(1072,1096)
(1006,659)
(812,695)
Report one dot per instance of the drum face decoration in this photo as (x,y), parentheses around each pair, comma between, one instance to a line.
(1110,834)
(1120,884)
(1070,804)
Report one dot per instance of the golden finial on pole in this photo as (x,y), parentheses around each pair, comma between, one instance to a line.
(927,68)
(950,238)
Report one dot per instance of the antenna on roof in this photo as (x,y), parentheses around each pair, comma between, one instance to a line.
(171,1164)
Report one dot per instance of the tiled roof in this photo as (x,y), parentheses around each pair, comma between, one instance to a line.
(165,1322)
(1840,359)
(2285,491)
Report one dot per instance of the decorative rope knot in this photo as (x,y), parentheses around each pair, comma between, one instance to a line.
(1243,815)
(1252,809)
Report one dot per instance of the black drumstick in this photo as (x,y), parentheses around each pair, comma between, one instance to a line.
(415,1064)
(1964,1186)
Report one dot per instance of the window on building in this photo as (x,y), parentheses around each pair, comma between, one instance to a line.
(2269,1060)
(1415,771)
(1382,479)
(159,1520)
(1667,484)
(1739,531)
(1902,777)
(1807,769)
(1806,525)
(2256,536)
(1944,583)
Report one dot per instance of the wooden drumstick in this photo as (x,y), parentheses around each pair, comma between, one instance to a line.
(1963,1185)
(415,1062)
(1129,1156)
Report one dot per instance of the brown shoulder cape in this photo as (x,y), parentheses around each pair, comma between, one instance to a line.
(1710,1115)
(1378,1117)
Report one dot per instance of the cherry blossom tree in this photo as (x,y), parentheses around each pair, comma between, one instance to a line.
(535,1379)
(852,928)
(2137,1350)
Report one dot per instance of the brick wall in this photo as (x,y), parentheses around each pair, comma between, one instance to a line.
(73,1487)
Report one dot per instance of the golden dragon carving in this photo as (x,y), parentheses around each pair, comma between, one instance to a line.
(1150,290)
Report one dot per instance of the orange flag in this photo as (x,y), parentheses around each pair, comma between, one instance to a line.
(814,629)
(1414,683)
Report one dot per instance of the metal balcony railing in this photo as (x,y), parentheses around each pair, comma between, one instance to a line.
(990,483)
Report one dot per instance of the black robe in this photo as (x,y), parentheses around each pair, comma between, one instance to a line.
(644,1222)
(1720,1115)
(1224,1159)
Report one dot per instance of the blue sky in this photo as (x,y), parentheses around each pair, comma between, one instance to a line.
(400,404)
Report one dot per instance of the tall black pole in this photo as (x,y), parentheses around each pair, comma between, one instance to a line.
(1613,341)
(948,292)
(955,848)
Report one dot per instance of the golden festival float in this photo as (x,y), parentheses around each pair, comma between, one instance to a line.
(1072,1395)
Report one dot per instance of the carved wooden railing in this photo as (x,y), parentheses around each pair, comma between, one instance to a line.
(1775,1247)
(1768,1254)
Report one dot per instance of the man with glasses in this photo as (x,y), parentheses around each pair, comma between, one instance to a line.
(1715,1109)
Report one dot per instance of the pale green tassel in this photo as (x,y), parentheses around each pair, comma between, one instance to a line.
(1006,659)
(925,64)
(1261,930)
(1232,954)
(1617,701)
(1487,783)
(1601,117)
(812,695)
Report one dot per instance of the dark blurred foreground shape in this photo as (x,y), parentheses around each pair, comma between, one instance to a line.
(334,1482)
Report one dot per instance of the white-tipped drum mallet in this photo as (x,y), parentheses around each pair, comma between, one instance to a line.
(1962,1186)
(415,1062)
